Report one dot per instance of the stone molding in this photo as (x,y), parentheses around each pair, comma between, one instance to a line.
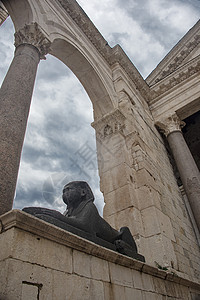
(111,55)
(170,124)
(177,60)
(179,77)
(110,124)
(27,223)
(33,35)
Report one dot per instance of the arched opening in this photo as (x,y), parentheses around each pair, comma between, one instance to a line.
(92,79)
(60,143)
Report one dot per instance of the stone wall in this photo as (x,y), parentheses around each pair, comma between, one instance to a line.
(41,261)
(139,186)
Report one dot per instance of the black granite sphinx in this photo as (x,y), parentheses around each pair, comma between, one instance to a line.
(82,218)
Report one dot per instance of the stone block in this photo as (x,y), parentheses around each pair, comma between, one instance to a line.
(147,282)
(59,284)
(171,289)
(120,199)
(3,275)
(147,197)
(6,243)
(78,287)
(31,248)
(144,178)
(96,290)
(19,273)
(120,275)
(108,291)
(150,296)
(118,292)
(82,264)
(156,222)
(29,292)
(161,251)
(133,294)
(159,286)
(99,269)
(134,222)
(137,280)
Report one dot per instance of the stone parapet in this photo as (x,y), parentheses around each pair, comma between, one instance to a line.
(45,262)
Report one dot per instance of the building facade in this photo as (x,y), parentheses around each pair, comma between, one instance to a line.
(147,131)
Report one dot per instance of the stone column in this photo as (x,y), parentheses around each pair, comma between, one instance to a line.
(186,165)
(15,99)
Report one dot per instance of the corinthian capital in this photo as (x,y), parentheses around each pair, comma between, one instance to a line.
(170,124)
(33,35)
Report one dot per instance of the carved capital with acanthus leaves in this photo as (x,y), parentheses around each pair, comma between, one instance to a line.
(170,124)
(110,124)
(32,34)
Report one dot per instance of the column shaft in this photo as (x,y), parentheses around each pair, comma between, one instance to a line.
(15,99)
(188,170)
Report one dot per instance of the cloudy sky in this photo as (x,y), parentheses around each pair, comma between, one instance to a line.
(60,143)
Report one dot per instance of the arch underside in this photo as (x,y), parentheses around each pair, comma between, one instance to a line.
(72,51)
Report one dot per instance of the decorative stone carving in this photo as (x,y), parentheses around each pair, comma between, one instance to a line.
(110,124)
(33,35)
(170,124)
(176,79)
(177,61)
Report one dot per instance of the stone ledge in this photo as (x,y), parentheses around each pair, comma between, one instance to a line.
(28,223)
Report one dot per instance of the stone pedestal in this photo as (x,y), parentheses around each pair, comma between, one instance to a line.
(41,261)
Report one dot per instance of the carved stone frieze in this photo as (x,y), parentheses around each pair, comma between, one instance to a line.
(177,61)
(170,124)
(111,55)
(110,124)
(33,35)
(178,78)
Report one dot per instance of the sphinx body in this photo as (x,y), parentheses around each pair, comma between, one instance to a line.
(82,218)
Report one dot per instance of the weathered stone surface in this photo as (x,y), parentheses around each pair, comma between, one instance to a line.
(131,152)
(107,275)
(120,275)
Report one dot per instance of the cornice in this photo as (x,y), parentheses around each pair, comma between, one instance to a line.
(177,61)
(111,55)
(175,58)
(174,80)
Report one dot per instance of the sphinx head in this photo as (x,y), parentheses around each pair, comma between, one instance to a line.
(75,192)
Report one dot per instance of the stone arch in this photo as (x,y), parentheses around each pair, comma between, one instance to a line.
(72,51)
(90,77)
(20,12)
